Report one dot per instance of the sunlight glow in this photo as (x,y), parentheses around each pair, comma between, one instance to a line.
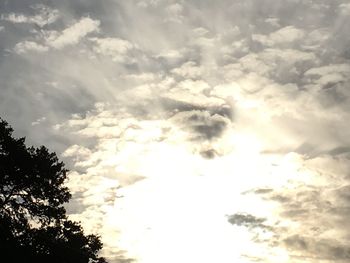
(183,211)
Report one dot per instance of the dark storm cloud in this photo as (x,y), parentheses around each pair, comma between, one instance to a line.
(263,191)
(247,220)
(339,150)
(209,129)
(202,124)
(173,105)
(209,154)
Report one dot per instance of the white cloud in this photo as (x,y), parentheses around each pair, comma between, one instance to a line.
(286,35)
(26,46)
(273,21)
(344,9)
(39,121)
(335,68)
(45,16)
(116,48)
(141,77)
(328,75)
(174,12)
(188,70)
(58,40)
(200,31)
(147,3)
(290,61)
(316,38)
(171,55)
(74,33)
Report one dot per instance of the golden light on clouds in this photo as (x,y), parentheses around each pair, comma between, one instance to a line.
(183,200)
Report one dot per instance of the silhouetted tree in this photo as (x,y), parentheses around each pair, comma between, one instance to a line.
(33,223)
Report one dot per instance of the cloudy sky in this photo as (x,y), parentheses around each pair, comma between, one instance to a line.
(194,131)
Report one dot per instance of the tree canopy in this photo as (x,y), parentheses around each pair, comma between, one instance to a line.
(34,226)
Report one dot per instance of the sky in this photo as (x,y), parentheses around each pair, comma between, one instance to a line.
(194,131)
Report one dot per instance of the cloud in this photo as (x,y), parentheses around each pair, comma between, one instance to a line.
(39,121)
(324,249)
(45,16)
(247,220)
(316,204)
(203,124)
(173,115)
(170,55)
(174,12)
(116,48)
(344,8)
(188,70)
(58,40)
(73,34)
(26,46)
(287,35)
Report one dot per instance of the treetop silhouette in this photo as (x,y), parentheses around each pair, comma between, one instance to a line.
(34,226)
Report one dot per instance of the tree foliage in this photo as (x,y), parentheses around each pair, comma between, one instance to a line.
(33,223)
